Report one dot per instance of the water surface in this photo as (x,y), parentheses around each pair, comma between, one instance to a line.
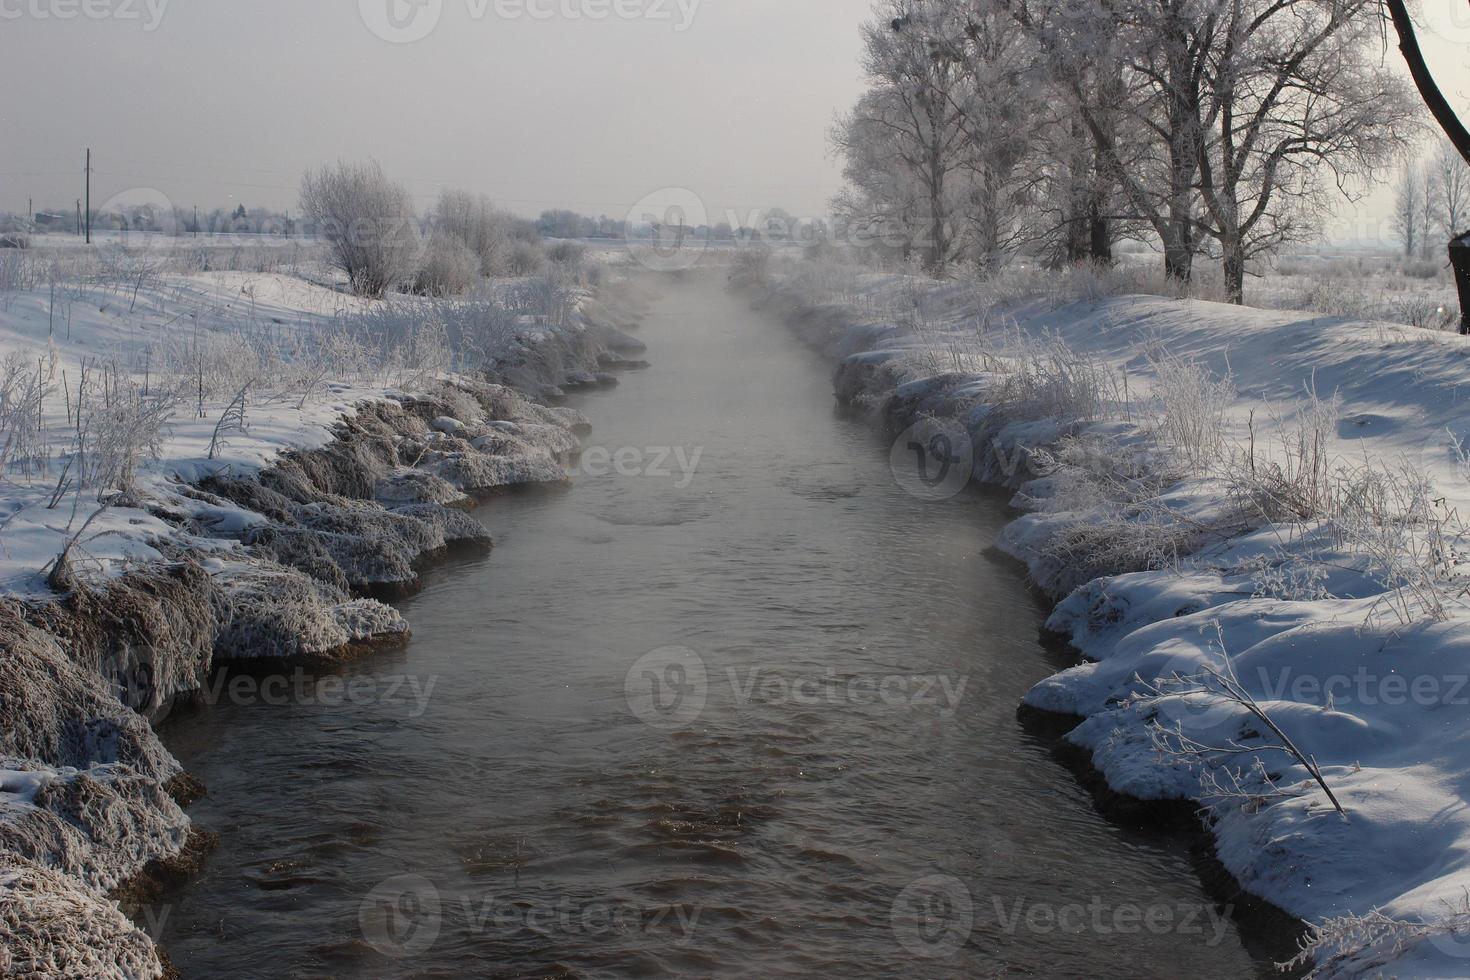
(855,798)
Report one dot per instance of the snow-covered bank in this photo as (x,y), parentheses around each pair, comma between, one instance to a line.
(1250,519)
(266,534)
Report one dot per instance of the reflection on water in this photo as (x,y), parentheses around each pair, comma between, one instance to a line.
(760,722)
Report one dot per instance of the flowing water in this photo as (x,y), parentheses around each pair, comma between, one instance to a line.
(760,721)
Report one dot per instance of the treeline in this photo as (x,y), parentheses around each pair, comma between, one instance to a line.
(1057,128)
(1432,202)
(374,235)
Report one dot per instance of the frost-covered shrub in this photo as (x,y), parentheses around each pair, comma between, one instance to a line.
(13,269)
(1359,945)
(1045,378)
(479,226)
(1425,312)
(24,387)
(525,259)
(119,432)
(368,222)
(1412,539)
(751,267)
(1191,406)
(1298,481)
(566,253)
(447,268)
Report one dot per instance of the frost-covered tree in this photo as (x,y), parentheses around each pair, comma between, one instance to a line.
(914,109)
(1407,208)
(1296,102)
(1449,189)
(367,221)
(1198,120)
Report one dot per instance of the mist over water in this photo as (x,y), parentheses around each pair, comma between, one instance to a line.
(757,721)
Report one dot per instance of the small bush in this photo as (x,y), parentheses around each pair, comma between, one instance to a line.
(479,226)
(14,239)
(1422,268)
(752,266)
(1192,406)
(526,259)
(566,253)
(368,222)
(448,268)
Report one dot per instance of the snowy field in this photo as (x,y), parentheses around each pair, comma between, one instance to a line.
(1253,520)
(130,356)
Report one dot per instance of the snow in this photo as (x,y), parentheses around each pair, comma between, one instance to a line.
(108,325)
(232,542)
(1293,610)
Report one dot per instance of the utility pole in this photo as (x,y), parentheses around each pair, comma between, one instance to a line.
(79,217)
(196,221)
(89,195)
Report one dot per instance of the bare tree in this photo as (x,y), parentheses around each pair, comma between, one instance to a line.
(367,220)
(1449,187)
(1428,210)
(1131,73)
(1297,102)
(1408,208)
(1001,110)
(915,99)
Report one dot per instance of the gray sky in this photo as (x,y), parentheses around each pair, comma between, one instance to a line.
(585,104)
(229,101)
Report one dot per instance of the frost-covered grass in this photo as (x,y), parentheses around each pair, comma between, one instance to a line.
(1253,521)
(204,467)
(129,361)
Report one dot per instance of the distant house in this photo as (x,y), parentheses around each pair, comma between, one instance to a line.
(53,219)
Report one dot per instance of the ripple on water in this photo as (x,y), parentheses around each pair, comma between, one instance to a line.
(667,512)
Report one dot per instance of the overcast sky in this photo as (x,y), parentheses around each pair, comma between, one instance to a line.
(586,104)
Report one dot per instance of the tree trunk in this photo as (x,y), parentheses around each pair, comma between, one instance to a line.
(1460,262)
(1100,239)
(938,247)
(1234,262)
(1074,241)
(1178,258)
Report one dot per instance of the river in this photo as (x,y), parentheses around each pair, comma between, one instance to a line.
(735,704)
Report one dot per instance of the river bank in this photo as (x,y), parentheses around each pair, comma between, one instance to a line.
(274,549)
(1163,454)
